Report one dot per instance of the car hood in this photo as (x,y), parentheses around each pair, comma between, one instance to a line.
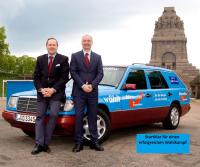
(26,93)
(102,90)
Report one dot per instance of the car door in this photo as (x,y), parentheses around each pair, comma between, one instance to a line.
(135,103)
(160,94)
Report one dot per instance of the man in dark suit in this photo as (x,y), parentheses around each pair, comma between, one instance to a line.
(87,72)
(50,76)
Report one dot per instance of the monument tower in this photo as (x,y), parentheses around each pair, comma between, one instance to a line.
(169,46)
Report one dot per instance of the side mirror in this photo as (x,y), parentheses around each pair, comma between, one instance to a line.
(129,87)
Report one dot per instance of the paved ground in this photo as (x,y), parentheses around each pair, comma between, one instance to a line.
(15,148)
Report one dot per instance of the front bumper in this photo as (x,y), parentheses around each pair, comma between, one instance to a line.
(64,125)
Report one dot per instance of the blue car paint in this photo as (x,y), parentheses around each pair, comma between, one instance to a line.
(116,99)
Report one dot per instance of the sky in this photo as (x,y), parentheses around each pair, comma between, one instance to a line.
(121,30)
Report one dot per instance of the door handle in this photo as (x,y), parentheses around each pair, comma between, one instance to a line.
(148,95)
(169,93)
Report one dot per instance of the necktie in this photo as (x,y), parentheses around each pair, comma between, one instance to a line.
(50,64)
(87,59)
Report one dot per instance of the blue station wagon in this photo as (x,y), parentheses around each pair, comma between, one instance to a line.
(128,96)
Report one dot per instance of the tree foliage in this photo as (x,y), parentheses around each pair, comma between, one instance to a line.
(11,64)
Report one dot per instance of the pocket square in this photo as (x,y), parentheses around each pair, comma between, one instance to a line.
(57,65)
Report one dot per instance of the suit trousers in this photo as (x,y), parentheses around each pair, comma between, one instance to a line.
(87,101)
(44,130)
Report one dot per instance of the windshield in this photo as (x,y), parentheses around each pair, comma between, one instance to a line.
(112,76)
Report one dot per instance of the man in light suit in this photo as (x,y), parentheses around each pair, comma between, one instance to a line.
(50,76)
(87,72)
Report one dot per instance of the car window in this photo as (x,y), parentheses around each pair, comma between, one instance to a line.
(156,79)
(137,77)
(112,75)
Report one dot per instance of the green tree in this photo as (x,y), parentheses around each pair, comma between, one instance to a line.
(4,48)
(25,65)
(11,60)
(22,66)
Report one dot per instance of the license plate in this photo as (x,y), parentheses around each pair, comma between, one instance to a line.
(25,118)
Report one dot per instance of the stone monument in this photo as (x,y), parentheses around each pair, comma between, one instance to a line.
(169,46)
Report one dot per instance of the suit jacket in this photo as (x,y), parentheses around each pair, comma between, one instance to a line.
(81,74)
(57,78)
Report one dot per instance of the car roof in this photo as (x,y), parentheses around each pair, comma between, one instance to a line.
(115,66)
(146,66)
(140,66)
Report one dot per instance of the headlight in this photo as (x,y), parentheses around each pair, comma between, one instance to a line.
(69,105)
(13,102)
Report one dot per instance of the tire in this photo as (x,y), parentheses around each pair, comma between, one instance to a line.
(103,127)
(173,118)
(29,133)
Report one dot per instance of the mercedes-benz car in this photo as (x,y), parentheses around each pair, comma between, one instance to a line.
(128,95)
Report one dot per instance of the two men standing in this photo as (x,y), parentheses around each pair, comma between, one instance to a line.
(50,76)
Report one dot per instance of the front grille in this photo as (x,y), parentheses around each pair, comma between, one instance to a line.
(27,104)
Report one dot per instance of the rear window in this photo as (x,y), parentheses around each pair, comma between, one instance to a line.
(156,79)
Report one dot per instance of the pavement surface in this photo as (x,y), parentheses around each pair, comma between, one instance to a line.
(120,149)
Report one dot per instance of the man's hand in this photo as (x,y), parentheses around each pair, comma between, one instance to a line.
(48,92)
(87,88)
(51,91)
(43,91)
(90,87)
